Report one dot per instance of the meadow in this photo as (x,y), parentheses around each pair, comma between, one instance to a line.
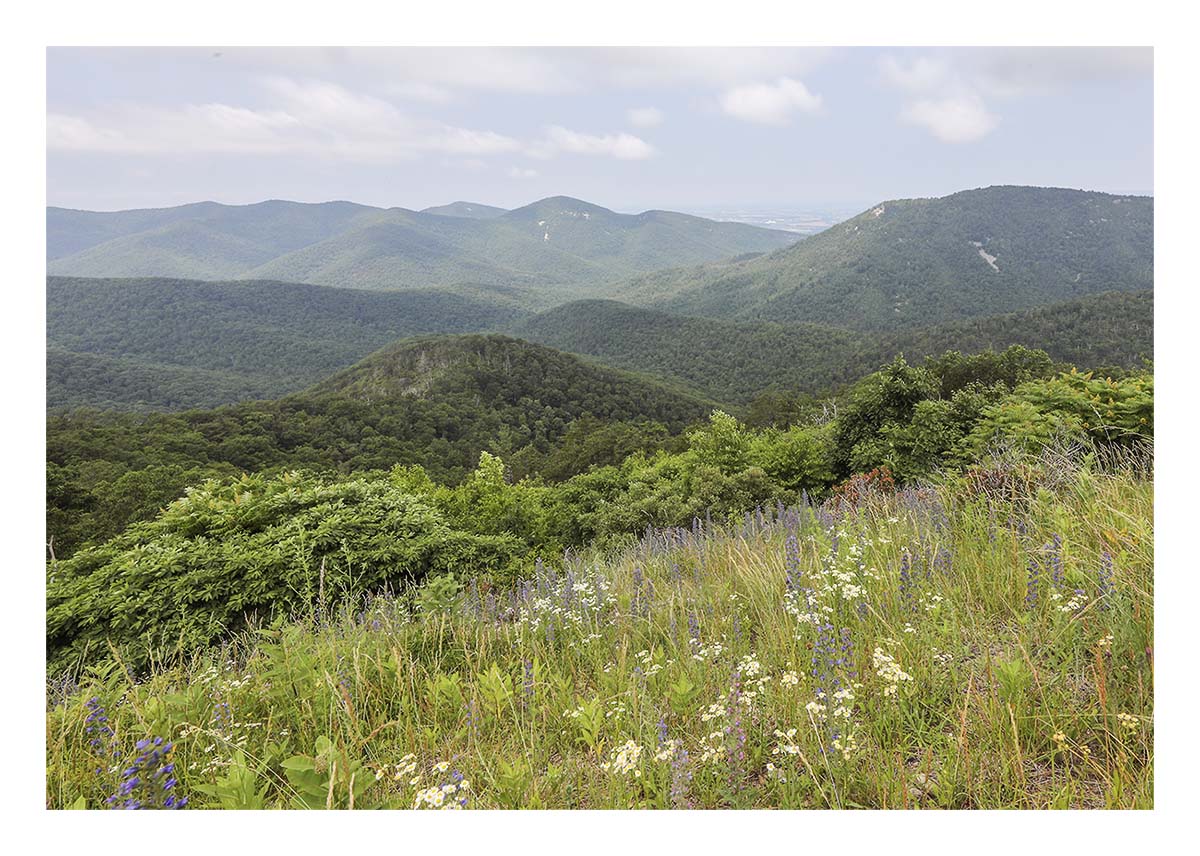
(977,641)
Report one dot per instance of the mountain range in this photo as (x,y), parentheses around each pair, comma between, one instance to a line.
(550,247)
(1067,271)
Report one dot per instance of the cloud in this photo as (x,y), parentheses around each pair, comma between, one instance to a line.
(1014,72)
(310,118)
(719,67)
(940,98)
(946,93)
(920,75)
(531,70)
(419,91)
(521,172)
(645,117)
(621,145)
(956,119)
(770,104)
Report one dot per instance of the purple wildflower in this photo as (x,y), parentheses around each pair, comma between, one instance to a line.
(791,550)
(1031,583)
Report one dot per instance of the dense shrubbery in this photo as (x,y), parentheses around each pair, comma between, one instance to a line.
(434,402)
(254,544)
(260,546)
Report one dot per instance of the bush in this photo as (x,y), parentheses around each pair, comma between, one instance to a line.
(256,546)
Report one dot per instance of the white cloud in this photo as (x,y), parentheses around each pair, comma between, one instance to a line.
(521,172)
(920,75)
(311,118)
(621,145)
(645,117)
(533,70)
(770,103)
(955,119)
(940,98)
(946,92)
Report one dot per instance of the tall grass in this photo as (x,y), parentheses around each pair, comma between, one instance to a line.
(932,648)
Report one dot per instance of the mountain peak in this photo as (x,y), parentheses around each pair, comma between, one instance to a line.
(470,210)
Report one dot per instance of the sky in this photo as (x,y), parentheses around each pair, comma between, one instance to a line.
(691,129)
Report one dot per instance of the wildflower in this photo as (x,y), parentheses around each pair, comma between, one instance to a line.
(792,562)
(624,759)
(149,781)
(889,670)
(1033,569)
(785,743)
(1054,550)
(681,777)
(451,794)
(789,678)
(1129,721)
(846,745)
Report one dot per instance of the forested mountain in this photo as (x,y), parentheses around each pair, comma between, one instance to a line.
(204,236)
(734,361)
(435,401)
(158,344)
(916,262)
(553,244)
(168,344)
(472,210)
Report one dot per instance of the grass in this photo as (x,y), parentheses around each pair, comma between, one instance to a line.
(887,654)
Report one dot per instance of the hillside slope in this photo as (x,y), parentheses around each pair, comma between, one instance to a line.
(733,361)
(171,344)
(912,263)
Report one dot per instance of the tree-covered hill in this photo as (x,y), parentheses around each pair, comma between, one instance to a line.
(187,237)
(550,245)
(169,344)
(434,401)
(916,262)
(105,382)
(158,344)
(500,372)
(735,361)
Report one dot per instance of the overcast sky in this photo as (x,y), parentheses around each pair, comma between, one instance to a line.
(631,129)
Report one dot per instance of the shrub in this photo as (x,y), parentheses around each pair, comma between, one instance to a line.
(265,546)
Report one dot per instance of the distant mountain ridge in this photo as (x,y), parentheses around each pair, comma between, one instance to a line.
(911,263)
(159,343)
(734,361)
(554,245)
